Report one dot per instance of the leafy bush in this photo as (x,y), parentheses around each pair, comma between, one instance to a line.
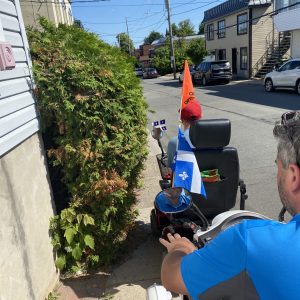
(94,122)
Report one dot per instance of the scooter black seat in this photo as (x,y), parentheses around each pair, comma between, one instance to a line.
(211,138)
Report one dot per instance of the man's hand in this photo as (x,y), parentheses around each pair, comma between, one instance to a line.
(177,247)
(177,242)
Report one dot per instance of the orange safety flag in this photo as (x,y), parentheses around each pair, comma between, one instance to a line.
(187,87)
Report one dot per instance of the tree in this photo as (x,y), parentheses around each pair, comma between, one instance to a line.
(201,28)
(193,51)
(125,43)
(185,28)
(78,23)
(196,50)
(174,30)
(154,35)
(161,59)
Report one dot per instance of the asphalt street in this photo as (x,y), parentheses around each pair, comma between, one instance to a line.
(252,113)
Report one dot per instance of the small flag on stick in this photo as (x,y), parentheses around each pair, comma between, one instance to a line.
(187,173)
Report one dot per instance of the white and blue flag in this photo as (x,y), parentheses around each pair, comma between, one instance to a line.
(186,170)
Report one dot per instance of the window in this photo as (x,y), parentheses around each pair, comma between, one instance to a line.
(221,29)
(210,32)
(222,54)
(295,64)
(206,66)
(279,4)
(242,24)
(286,67)
(243,58)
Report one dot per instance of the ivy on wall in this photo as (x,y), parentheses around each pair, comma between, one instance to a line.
(93,117)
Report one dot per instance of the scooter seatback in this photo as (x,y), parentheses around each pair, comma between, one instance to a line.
(211,137)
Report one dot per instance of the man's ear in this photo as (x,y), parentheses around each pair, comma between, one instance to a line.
(294,178)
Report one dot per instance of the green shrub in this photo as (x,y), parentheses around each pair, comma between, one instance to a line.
(94,122)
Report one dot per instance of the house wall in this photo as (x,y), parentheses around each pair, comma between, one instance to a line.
(295,44)
(26,254)
(31,11)
(262,32)
(289,20)
(231,40)
(18,115)
(55,11)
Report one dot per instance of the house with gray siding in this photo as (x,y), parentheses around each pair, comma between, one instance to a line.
(26,254)
(243,33)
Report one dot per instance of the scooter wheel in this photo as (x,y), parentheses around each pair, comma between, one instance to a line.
(154,226)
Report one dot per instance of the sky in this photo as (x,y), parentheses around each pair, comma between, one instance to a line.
(108,18)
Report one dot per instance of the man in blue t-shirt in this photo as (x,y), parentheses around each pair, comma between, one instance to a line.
(255,259)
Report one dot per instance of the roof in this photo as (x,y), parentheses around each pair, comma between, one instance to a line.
(224,9)
(230,7)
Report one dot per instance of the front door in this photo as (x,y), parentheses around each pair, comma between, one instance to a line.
(234,60)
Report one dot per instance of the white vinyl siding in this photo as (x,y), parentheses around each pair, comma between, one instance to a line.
(18,115)
(262,33)
(288,20)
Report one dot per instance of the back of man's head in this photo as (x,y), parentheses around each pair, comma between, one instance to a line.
(192,111)
(287,132)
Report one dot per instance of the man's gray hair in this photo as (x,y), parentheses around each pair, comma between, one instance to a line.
(288,136)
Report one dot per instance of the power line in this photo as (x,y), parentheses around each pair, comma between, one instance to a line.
(192,2)
(229,26)
(102,6)
(110,5)
(119,23)
(183,12)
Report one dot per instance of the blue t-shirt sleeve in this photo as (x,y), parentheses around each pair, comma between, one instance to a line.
(223,258)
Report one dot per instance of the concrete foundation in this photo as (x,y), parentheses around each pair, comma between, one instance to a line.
(27,269)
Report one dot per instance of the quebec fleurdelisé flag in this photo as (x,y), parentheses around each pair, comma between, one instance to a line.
(186,170)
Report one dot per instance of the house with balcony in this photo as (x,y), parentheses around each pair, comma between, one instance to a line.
(287,20)
(243,33)
(143,54)
(56,11)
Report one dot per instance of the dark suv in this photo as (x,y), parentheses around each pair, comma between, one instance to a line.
(213,71)
(150,73)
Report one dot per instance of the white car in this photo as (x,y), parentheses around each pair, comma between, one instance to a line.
(287,76)
(138,72)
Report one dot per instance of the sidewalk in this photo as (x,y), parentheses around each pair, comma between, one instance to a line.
(140,267)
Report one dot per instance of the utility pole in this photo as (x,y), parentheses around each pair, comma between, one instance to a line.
(171,38)
(128,37)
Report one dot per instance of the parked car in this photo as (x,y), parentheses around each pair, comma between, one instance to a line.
(150,73)
(192,71)
(287,76)
(138,72)
(213,71)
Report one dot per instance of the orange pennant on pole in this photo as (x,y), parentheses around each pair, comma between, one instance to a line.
(187,87)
